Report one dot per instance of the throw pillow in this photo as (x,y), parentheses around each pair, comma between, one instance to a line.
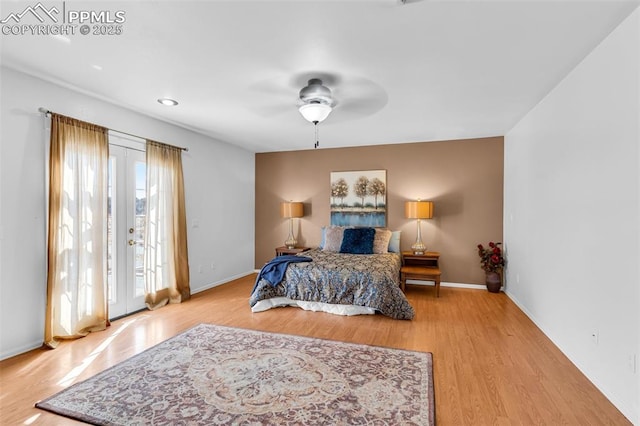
(323,238)
(381,241)
(333,239)
(394,242)
(358,241)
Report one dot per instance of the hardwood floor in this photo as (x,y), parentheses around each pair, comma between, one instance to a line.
(492,366)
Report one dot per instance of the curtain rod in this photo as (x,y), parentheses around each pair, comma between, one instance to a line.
(47,112)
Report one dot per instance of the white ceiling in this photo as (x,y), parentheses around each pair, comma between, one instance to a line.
(426,70)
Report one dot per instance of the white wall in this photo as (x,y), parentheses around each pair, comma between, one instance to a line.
(217,175)
(572,213)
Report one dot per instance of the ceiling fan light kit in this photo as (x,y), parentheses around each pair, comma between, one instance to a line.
(316,103)
(315,112)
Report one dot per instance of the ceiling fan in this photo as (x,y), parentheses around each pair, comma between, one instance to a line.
(316,103)
(319,94)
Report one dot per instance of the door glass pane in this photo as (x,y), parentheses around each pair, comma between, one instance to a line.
(111,226)
(141,208)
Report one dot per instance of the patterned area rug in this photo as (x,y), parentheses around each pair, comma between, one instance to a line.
(214,375)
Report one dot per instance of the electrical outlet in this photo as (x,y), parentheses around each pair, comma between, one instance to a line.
(213,266)
(199,269)
(595,337)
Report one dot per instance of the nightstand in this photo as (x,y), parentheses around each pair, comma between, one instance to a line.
(423,267)
(281,251)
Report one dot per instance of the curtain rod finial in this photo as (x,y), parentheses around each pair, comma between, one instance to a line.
(43,110)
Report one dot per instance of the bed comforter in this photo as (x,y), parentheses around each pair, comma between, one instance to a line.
(369,281)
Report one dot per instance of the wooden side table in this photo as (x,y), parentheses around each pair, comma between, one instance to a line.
(281,251)
(422,267)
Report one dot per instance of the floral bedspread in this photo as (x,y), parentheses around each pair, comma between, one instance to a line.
(369,280)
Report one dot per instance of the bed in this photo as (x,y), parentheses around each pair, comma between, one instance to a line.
(338,283)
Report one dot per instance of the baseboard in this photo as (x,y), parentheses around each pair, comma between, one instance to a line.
(36,344)
(223,281)
(628,412)
(22,349)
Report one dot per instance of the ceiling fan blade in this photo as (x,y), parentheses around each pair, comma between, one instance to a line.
(266,111)
(270,97)
(363,106)
(359,97)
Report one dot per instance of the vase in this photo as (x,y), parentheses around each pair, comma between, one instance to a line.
(494,282)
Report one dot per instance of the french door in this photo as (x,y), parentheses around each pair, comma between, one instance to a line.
(126,206)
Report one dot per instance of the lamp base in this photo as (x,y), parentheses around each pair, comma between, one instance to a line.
(291,240)
(419,248)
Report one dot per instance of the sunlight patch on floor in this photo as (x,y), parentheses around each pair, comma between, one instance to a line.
(73,374)
(31,419)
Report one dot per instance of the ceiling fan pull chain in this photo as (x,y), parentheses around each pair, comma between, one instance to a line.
(315,124)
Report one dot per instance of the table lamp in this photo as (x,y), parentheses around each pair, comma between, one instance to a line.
(290,210)
(418,210)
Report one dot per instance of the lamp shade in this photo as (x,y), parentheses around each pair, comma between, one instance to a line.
(291,209)
(418,209)
(315,112)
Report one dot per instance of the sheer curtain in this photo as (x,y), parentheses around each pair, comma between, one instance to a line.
(166,263)
(77,241)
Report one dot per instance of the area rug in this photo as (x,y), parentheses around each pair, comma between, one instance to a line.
(215,375)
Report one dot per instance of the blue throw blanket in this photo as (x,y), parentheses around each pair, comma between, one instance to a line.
(274,271)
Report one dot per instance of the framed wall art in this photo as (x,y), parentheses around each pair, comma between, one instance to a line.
(359,198)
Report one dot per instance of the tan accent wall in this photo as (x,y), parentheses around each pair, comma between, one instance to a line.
(464,179)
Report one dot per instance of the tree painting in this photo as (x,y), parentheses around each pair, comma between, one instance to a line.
(339,189)
(360,188)
(376,188)
(361,196)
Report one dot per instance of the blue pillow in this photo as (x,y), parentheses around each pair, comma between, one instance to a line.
(394,242)
(324,237)
(358,241)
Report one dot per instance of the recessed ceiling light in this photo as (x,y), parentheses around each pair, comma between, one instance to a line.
(168,102)
(61,38)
